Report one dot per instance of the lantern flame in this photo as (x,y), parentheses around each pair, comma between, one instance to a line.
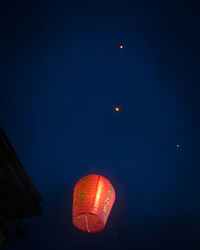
(99,190)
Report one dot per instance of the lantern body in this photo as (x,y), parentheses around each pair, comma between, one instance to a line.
(93,199)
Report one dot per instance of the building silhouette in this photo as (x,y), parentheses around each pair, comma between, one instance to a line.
(18,196)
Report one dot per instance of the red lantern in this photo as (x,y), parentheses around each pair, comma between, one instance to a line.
(92,202)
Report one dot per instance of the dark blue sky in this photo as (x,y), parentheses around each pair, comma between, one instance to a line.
(62,74)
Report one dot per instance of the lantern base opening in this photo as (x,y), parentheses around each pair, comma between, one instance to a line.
(88,222)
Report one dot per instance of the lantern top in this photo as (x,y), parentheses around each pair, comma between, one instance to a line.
(84,179)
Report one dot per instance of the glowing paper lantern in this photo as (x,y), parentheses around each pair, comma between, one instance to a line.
(93,199)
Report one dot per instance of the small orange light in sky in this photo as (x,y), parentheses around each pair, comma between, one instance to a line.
(117,109)
(121,46)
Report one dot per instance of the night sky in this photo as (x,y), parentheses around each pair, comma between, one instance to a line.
(62,75)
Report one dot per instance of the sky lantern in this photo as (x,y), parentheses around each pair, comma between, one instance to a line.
(121,46)
(117,109)
(93,199)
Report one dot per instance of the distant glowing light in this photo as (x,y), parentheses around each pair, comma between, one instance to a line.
(117,109)
(121,46)
(178,145)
